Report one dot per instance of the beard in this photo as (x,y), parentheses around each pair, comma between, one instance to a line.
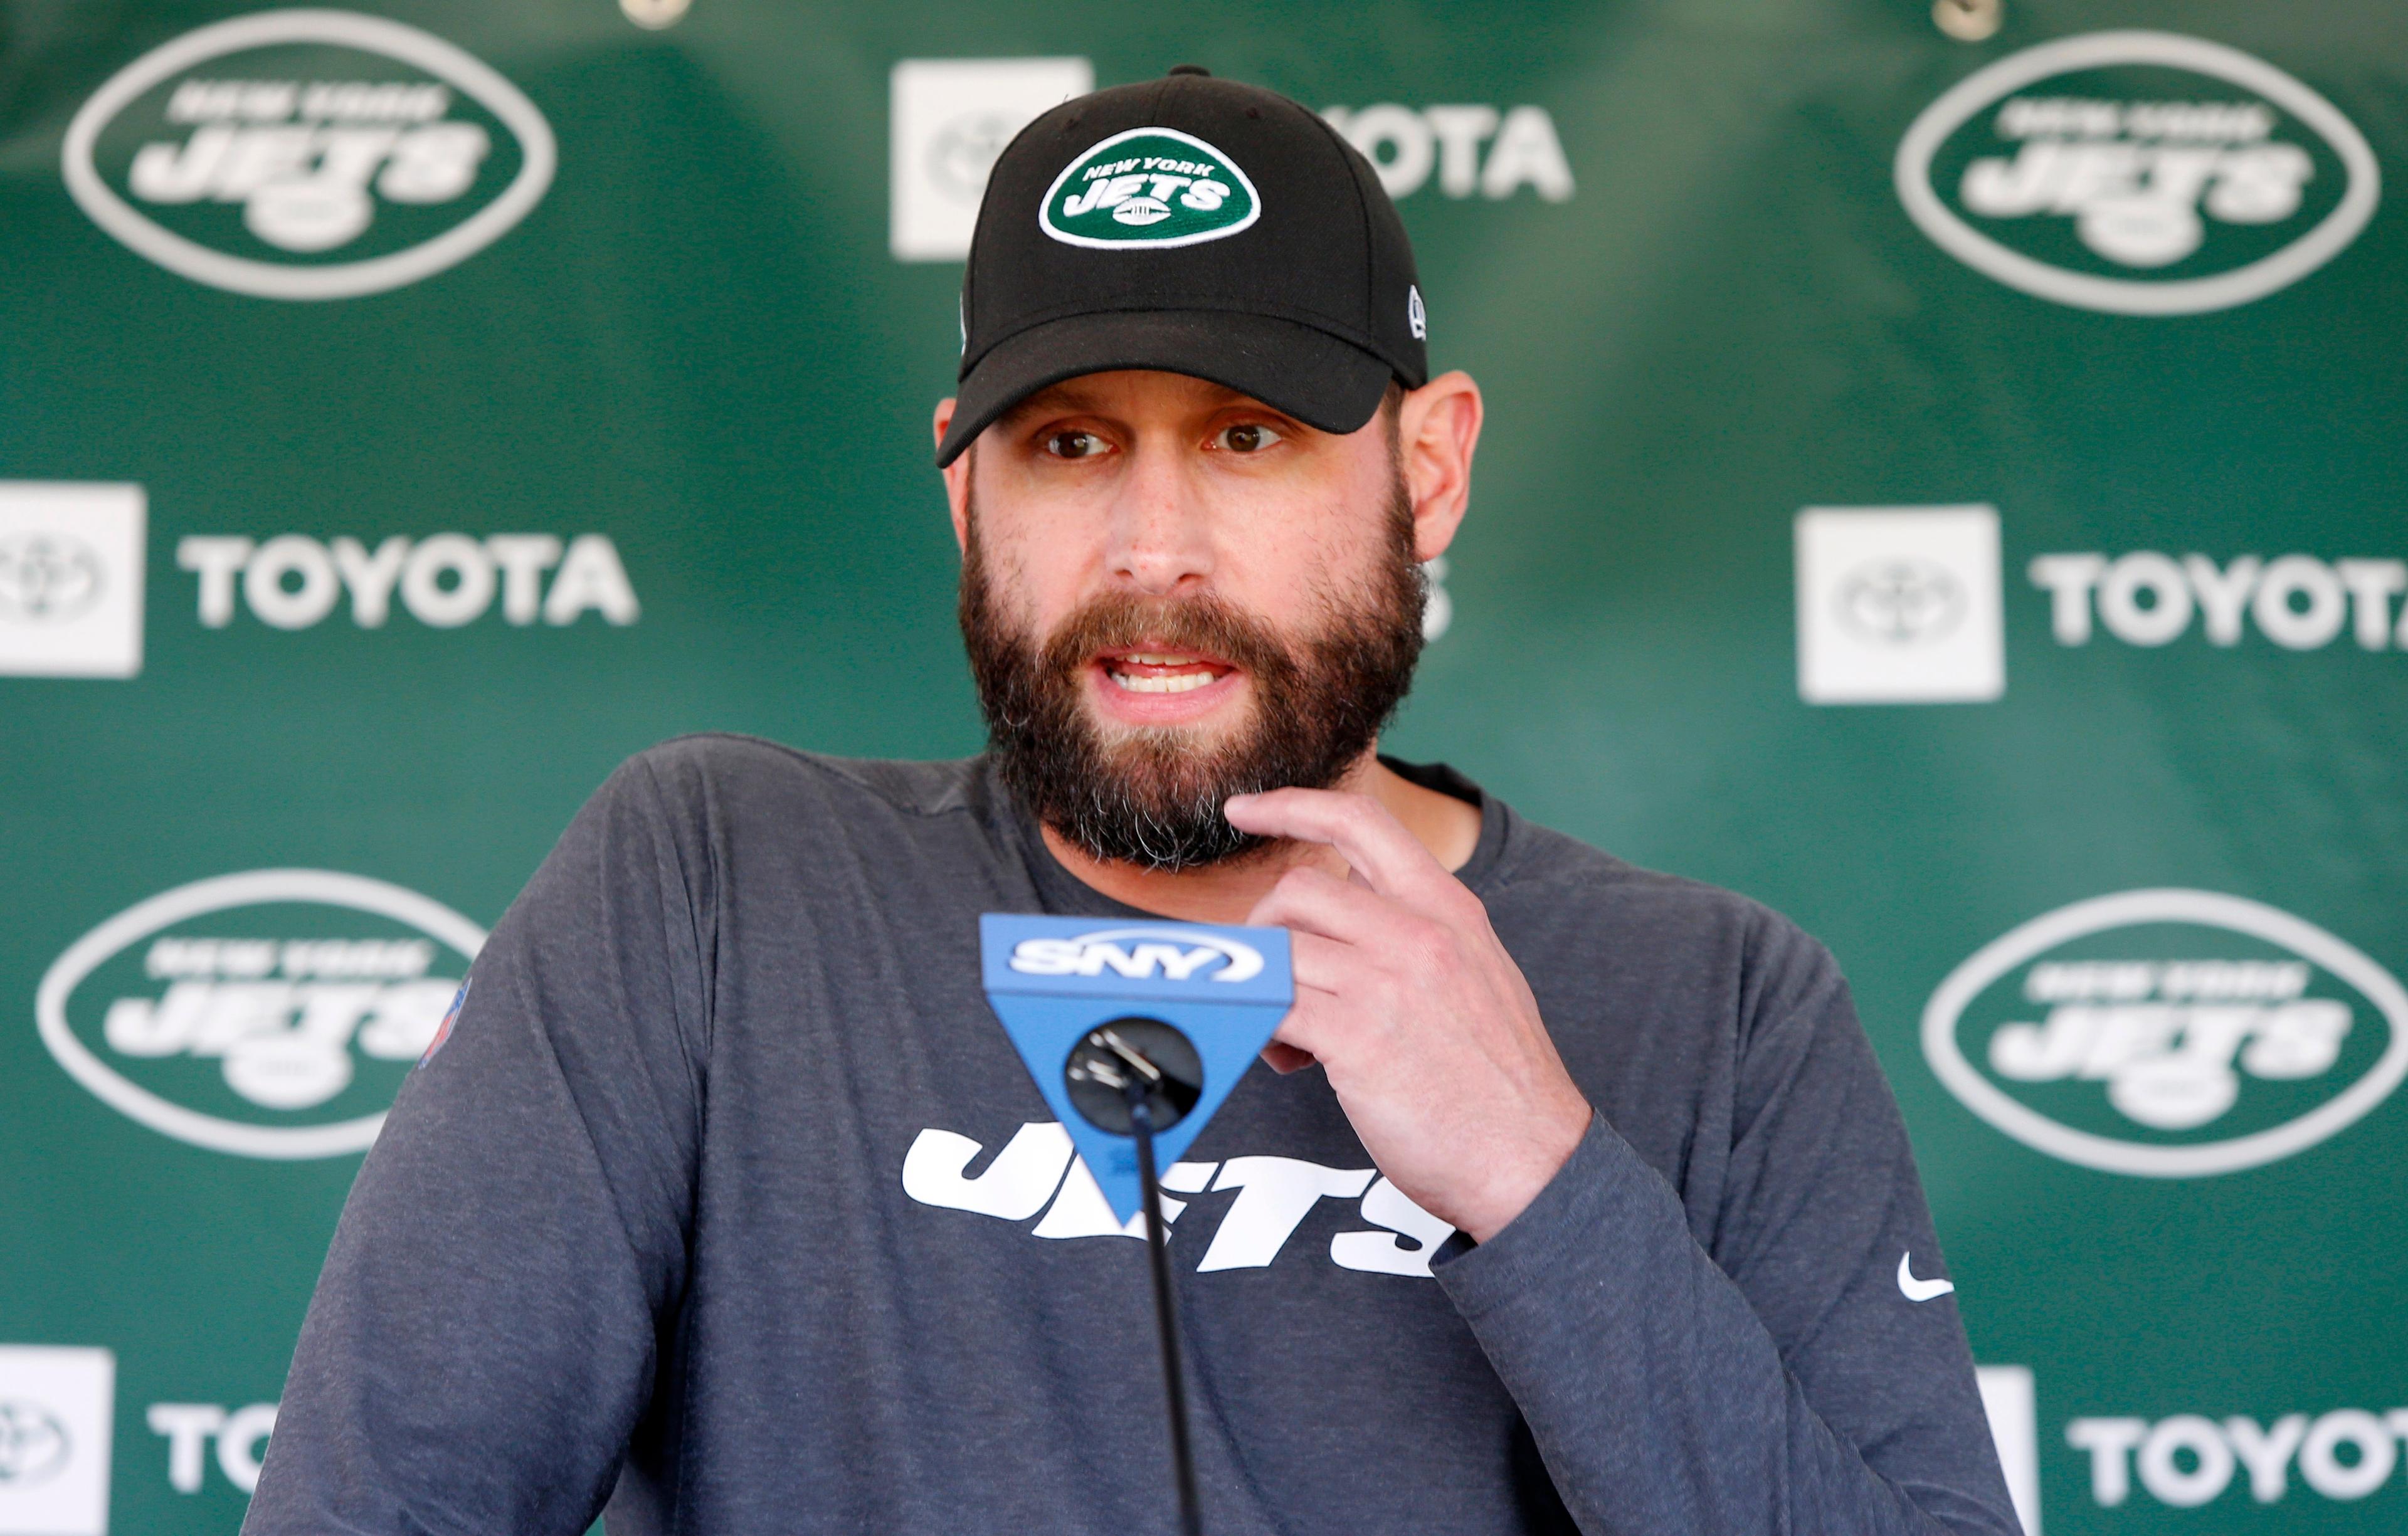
(1152,795)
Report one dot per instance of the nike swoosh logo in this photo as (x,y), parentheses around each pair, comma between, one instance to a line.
(1919,1290)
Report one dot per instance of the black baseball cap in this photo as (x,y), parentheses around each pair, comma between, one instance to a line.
(1196,226)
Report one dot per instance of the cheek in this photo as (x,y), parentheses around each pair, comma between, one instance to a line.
(1296,562)
(1038,565)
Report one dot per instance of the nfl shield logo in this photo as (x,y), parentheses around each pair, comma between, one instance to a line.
(450,1016)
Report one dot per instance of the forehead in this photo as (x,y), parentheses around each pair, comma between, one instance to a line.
(1129,391)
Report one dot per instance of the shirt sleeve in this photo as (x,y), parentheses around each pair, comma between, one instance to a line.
(482,1342)
(1783,1382)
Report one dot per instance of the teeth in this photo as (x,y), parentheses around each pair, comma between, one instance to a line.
(1161,659)
(1181,684)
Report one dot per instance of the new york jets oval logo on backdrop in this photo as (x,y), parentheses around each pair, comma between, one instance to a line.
(2139,173)
(271,1014)
(1149,187)
(308,155)
(2169,1033)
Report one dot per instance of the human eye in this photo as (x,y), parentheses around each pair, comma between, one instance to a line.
(1072,443)
(1245,437)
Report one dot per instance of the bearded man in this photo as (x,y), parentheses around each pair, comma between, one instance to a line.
(1570,1195)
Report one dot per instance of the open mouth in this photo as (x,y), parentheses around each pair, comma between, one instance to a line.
(1142,671)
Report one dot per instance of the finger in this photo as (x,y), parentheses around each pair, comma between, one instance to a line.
(1326,965)
(1358,827)
(1309,900)
(1285,1058)
(1315,1025)
(1346,939)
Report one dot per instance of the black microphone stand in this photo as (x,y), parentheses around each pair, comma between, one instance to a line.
(1107,1059)
(1165,1314)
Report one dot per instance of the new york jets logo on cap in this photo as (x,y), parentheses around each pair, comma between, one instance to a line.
(1149,187)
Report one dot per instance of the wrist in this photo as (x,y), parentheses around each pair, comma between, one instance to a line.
(1550,1144)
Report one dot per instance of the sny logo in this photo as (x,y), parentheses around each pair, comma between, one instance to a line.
(1178,954)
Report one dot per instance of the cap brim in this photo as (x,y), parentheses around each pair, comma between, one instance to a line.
(1322,381)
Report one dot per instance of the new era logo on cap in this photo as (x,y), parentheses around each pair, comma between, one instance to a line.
(1149,187)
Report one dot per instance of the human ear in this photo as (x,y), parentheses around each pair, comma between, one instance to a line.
(958,477)
(1437,427)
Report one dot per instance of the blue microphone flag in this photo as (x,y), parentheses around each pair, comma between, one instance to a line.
(1053,981)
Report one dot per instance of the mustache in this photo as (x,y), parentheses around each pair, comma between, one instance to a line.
(1204,625)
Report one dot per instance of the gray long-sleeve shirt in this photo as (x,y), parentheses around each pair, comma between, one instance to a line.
(725,1201)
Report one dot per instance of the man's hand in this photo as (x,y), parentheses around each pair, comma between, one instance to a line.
(1428,1033)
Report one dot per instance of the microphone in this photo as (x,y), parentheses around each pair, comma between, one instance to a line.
(1197,1001)
(1135,1033)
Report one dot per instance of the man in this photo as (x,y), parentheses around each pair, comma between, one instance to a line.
(1576,1201)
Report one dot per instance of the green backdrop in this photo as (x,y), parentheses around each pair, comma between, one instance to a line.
(2084,336)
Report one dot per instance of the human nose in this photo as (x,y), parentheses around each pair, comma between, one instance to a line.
(1160,543)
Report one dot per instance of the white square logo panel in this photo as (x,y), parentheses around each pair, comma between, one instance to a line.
(2007,1401)
(950,119)
(1900,605)
(70,580)
(55,1407)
